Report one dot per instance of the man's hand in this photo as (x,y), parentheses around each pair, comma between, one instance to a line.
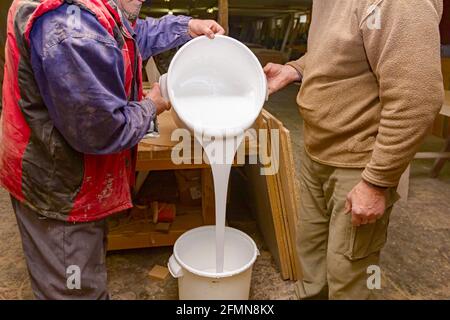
(366,203)
(160,103)
(279,76)
(208,28)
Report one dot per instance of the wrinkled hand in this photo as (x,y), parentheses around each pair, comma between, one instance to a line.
(279,76)
(208,28)
(366,203)
(155,95)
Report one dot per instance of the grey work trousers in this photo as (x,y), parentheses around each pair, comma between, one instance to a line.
(65,260)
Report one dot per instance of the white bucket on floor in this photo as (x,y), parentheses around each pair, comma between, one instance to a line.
(194,264)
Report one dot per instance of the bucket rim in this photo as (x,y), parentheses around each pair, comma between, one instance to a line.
(211,274)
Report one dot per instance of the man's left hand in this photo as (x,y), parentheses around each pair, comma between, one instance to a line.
(366,203)
(208,28)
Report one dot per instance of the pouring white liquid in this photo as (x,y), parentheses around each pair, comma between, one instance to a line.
(213,113)
(217,88)
(221,153)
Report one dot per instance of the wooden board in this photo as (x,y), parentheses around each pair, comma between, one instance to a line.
(445,111)
(446,72)
(440,122)
(152,71)
(277,198)
(141,234)
(266,207)
(223,15)
(293,192)
(260,204)
(288,193)
(156,153)
(274,200)
(278,223)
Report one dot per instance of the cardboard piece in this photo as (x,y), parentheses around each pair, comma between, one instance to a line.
(166,126)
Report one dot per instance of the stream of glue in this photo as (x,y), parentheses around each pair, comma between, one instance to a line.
(220,152)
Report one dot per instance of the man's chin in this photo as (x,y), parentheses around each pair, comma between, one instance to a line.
(133,16)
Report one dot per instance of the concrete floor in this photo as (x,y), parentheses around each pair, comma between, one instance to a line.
(415,263)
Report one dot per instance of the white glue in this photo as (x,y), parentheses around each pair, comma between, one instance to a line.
(219,113)
(217,89)
(211,113)
(220,152)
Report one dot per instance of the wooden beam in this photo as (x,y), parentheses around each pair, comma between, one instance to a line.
(289,28)
(433,155)
(223,15)
(403,185)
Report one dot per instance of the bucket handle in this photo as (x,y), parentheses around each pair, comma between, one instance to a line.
(163,87)
(174,268)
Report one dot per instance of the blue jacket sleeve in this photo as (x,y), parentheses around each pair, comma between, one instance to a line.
(158,35)
(81,79)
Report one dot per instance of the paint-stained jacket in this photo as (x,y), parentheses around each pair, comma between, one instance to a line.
(73,107)
(4,5)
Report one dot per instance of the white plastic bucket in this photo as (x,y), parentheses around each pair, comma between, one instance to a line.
(216,87)
(194,260)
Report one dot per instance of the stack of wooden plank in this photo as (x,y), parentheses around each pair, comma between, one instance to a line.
(441,127)
(446,72)
(275,197)
(266,55)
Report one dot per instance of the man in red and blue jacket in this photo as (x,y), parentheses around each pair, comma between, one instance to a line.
(73,113)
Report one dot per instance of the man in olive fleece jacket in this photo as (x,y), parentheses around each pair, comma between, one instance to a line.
(371,88)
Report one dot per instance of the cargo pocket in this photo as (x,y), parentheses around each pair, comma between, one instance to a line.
(370,238)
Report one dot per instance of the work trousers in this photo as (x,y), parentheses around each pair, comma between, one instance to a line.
(335,256)
(65,260)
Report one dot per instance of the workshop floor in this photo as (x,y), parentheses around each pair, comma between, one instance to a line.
(415,263)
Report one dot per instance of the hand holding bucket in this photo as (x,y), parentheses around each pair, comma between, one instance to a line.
(215,86)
